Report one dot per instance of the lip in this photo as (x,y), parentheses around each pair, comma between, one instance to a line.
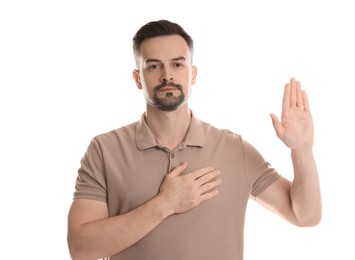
(168,89)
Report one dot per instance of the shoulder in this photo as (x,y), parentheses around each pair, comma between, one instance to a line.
(113,136)
(215,131)
(123,130)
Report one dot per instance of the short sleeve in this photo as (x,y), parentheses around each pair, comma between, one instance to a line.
(91,180)
(259,172)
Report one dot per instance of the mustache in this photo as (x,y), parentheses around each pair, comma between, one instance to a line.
(168,84)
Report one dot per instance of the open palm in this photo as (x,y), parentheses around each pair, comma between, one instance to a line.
(296,126)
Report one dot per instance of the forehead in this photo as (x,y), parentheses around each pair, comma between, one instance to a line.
(164,47)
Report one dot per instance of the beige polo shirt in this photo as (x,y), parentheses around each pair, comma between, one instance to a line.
(125,168)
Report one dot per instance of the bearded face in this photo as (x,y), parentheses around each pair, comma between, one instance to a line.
(167,96)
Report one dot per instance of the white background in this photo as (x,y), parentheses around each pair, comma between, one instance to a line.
(65,76)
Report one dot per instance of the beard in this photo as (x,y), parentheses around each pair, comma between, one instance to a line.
(169,102)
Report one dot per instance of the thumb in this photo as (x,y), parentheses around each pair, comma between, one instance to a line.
(178,169)
(276,123)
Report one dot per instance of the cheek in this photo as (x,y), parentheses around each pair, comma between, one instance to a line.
(147,88)
(150,80)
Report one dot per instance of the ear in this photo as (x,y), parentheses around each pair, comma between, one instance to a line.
(194,74)
(137,78)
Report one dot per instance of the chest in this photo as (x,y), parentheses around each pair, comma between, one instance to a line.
(134,179)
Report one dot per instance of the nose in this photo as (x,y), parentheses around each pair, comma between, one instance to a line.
(166,75)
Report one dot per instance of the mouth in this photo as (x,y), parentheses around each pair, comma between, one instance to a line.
(167,86)
(168,89)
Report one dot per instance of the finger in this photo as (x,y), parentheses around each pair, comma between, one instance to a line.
(200,172)
(209,186)
(178,169)
(286,98)
(305,101)
(277,124)
(208,195)
(293,92)
(208,177)
(299,95)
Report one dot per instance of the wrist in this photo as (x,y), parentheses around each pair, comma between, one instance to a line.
(302,151)
(163,208)
(302,156)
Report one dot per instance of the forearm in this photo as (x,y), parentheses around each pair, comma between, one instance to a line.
(305,190)
(109,236)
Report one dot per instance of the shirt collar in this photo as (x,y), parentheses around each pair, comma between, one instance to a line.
(145,139)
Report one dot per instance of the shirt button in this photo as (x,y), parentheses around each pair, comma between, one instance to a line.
(172,155)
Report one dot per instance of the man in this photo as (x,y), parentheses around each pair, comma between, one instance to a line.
(171,186)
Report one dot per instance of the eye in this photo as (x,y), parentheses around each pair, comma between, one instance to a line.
(154,67)
(178,65)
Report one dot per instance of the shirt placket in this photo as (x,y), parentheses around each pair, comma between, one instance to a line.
(174,158)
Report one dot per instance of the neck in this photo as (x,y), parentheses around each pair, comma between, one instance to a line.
(168,128)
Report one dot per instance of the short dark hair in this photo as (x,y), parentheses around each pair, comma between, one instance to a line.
(159,28)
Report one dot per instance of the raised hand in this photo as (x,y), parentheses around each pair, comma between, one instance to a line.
(296,126)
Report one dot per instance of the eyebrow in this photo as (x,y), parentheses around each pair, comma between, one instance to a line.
(174,59)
